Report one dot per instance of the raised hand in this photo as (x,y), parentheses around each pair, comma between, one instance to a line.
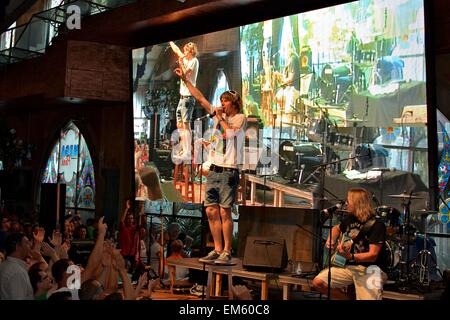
(39,235)
(107,255)
(35,255)
(56,239)
(63,250)
(179,72)
(142,280)
(120,262)
(102,227)
(47,250)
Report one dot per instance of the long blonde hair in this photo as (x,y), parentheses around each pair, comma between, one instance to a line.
(361,202)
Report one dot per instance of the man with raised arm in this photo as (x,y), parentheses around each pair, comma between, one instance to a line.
(223,178)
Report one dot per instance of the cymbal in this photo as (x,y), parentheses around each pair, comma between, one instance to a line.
(404,196)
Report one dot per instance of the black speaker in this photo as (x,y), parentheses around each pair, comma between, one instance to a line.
(80,250)
(48,209)
(297,226)
(265,254)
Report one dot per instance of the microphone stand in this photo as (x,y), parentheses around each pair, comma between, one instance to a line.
(330,217)
(408,217)
(161,258)
(330,225)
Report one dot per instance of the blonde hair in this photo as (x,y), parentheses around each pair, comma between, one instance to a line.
(192,47)
(361,202)
(150,179)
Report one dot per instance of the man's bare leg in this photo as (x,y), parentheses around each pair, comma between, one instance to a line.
(227,227)
(186,138)
(215,225)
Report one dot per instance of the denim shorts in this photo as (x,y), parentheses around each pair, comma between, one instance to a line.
(221,188)
(185,109)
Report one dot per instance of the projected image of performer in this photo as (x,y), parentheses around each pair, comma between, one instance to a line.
(189,63)
(289,88)
(223,178)
(360,239)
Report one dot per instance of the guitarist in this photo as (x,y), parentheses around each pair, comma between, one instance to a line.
(365,256)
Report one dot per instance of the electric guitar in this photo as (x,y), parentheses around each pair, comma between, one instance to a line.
(338,260)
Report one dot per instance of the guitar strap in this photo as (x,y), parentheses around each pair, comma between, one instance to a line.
(369,223)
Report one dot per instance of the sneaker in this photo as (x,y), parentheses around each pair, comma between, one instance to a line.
(213,255)
(224,258)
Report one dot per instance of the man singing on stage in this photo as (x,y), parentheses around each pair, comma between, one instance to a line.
(223,178)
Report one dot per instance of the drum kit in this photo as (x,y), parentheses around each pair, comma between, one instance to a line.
(407,265)
(324,134)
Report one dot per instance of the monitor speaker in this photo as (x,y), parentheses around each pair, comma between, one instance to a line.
(265,254)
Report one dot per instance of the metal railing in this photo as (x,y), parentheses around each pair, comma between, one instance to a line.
(33,38)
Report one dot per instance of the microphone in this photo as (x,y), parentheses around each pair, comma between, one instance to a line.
(333,208)
(383,169)
(207,116)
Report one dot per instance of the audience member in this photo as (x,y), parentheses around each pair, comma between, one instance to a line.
(14,281)
(141,252)
(60,274)
(178,275)
(174,234)
(41,283)
(81,233)
(155,253)
(128,238)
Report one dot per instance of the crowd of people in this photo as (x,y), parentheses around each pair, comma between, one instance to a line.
(36,265)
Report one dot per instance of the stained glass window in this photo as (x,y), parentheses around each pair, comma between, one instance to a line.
(70,163)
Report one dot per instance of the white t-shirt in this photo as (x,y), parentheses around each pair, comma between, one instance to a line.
(229,152)
(154,259)
(192,76)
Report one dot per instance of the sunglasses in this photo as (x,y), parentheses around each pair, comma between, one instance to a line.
(232,92)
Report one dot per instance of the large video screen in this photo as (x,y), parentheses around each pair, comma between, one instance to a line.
(336,95)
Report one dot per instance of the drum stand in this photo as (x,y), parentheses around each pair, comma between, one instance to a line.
(404,271)
(424,258)
(301,166)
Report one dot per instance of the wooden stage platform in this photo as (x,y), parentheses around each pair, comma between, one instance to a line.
(215,274)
